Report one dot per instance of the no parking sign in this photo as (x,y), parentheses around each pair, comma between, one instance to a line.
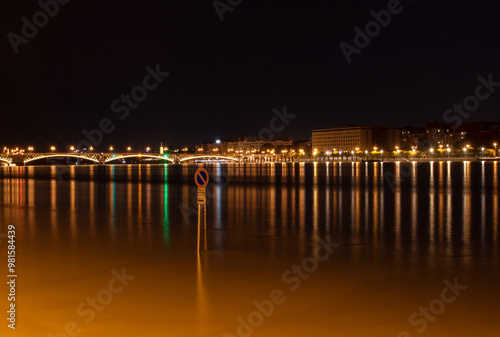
(201,178)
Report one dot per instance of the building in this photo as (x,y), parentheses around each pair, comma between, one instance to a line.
(481,133)
(440,133)
(246,145)
(386,138)
(345,138)
(281,142)
(355,138)
(411,136)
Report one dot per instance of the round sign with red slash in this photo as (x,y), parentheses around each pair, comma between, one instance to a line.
(201,177)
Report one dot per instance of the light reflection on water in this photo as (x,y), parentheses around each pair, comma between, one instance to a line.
(433,204)
(401,222)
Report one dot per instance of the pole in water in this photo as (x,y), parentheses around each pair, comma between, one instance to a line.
(205,226)
(199,225)
(201,178)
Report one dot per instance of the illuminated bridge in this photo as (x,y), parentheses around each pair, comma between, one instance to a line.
(107,158)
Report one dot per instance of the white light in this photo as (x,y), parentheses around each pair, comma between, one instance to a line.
(217,141)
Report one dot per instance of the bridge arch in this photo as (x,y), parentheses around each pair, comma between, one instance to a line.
(4,160)
(208,156)
(120,157)
(61,155)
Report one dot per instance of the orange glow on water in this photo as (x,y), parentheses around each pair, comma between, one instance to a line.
(399,243)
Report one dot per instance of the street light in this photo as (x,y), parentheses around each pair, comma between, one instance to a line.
(52,148)
(31,149)
(448,150)
(72,148)
(495,145)
(148,149)
(129,149)
(432,151)
(111,149)
(482,150)
(91,148)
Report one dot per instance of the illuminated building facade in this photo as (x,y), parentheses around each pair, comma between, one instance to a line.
(355,138)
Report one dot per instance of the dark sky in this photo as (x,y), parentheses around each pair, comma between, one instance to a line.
(226,77)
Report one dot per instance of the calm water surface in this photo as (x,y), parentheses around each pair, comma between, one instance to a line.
(403,230)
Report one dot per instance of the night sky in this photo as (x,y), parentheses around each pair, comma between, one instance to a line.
(226,77)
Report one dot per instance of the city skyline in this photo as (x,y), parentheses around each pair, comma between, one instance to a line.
(432,135)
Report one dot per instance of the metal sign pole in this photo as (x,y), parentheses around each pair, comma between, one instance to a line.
(199,225)
(205,226)
(201,178)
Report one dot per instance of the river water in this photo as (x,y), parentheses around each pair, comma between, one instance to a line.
(304,249)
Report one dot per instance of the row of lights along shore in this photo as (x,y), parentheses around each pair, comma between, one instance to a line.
(397,151)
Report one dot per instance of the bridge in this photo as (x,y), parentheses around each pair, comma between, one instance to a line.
(6,158)
(107,158)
